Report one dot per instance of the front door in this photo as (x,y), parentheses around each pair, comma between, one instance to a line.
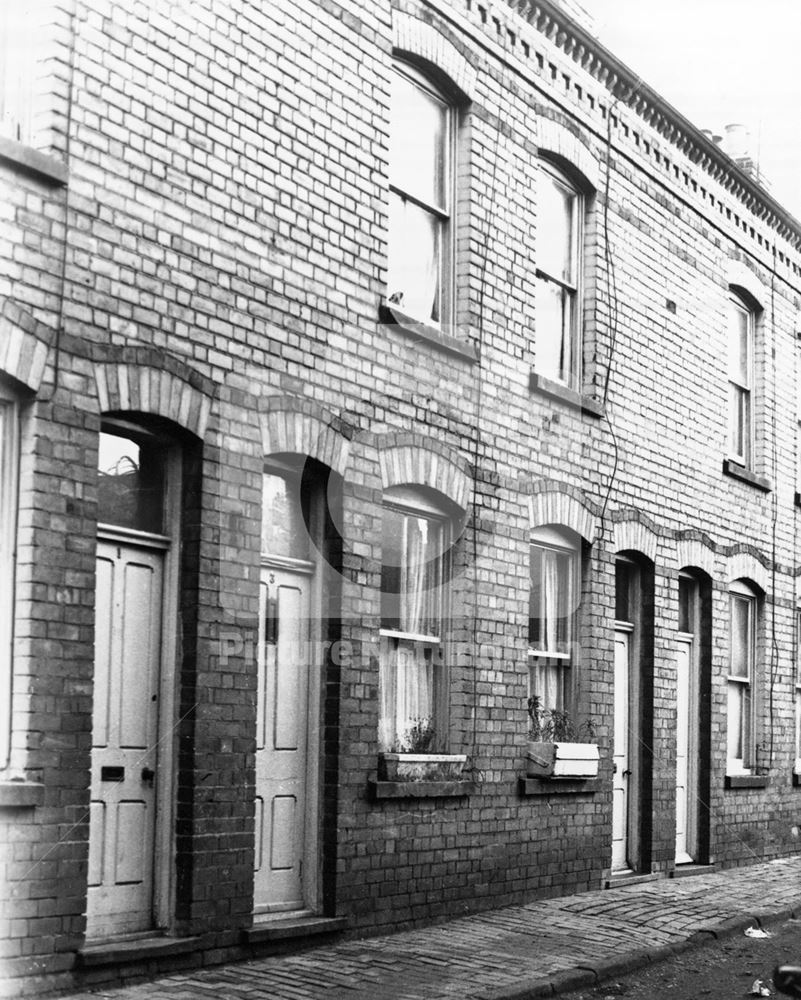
(125,738)
(285,863)
(621,754)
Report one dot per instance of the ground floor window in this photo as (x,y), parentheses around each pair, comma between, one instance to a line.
(742,662)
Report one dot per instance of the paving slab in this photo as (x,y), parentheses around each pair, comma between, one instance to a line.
(533,950)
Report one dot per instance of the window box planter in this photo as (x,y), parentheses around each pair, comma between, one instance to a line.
(562,760)
(420,766)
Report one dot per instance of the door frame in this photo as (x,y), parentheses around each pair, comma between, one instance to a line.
(164,845)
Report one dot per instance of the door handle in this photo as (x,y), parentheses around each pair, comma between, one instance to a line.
(148,774)
(626,773)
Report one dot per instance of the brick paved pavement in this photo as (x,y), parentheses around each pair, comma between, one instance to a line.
(521,951)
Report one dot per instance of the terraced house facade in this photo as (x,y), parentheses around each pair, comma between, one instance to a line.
(374,376)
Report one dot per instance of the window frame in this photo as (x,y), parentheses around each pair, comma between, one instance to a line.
(412,503)
(571,373)
(738,389)
(558,542)
(9,517)
(445,214)
(745,683)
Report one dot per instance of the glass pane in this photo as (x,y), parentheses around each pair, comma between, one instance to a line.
(131,478)
(283,531)
(740,662)
(415,240)
(736,420)
(555,229)
(554,330)
(418,143)
(408,674)
(734,723)
(687,592)
(548,681)
(624,586)
(551,600)
(739,324)
(411,573)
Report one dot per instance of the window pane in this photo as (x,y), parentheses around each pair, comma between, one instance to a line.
(555,229)
(406,681)
(741,633)
(418,142)
(548,681)
(624,585)
(554,330)
(739,348)
(131,483)
(551,600)
(734,724)
(687,592)
(283,528)
(411,573)
(415,241)
(737,422)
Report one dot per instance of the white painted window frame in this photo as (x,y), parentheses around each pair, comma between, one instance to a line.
(739,590)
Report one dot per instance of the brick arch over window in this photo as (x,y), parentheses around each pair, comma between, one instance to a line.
(414,38)
(634,536)
(693,552)
(300,427)
(556,139)
(147,389)
(24,344)
(418,463)
(746,566)
(739,276)
(553,507)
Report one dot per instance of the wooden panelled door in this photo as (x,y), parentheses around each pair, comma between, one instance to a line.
(125,738)
(622,753)
(286,815)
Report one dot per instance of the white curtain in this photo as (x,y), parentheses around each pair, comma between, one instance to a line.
(407,673)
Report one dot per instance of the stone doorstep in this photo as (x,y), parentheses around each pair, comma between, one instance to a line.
(286,930)
(138,949)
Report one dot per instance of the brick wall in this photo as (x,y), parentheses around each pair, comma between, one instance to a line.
(223,239)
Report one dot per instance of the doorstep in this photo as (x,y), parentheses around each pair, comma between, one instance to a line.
(617,879)
(292,928)
(685,871)
(137,949)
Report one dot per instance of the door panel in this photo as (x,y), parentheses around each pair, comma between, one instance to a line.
(621,755)
(284,810)
(124,736)
(683,711)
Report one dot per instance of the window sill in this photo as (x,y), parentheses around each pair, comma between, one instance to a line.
(31,161)
(737,471)
(424,333)
(420,789)
(746,781)
(589,405)
(560,786)
(21,794)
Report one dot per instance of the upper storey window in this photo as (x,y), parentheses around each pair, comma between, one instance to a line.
(741,378)
(421,197)
(17,64)
(559,237)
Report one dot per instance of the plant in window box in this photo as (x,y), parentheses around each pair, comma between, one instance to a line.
(557,746)
(411,759)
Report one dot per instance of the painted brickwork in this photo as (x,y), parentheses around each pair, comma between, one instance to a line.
(215,264)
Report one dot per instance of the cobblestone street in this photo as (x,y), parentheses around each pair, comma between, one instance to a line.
(534,950)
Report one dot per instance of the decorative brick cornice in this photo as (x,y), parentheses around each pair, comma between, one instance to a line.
(628,89)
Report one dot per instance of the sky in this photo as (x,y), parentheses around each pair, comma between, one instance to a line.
(720,62)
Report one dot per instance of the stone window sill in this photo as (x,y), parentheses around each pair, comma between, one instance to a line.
(588,405)
(420,789)
(21,794)
(737,471)
(746,781)
(31,161)
(557,786)
(427,334)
